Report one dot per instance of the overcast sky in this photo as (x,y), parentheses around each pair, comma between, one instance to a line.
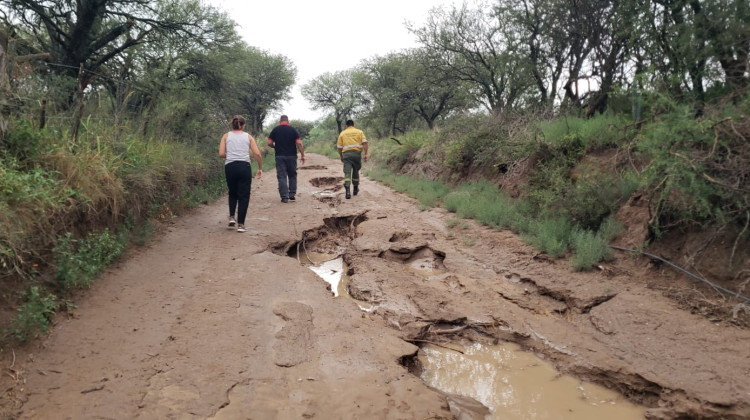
(326,35)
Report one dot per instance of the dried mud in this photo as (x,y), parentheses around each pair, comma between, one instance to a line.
(209,323)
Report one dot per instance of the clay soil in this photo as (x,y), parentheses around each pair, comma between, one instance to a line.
(208,323)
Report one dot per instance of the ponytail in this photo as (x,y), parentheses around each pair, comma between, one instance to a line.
(238,121)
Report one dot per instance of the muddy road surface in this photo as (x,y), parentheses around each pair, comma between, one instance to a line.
(209,323)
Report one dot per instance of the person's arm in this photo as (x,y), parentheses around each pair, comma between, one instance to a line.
(223,146)
(364,145)
(301,150)
(340,147)
(256,153)
(271,143)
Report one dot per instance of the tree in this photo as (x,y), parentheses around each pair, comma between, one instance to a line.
(385,81)
(544,37)
(334,92)
(84,36)
(9,58)
(433,92)
(690,39)
(475,47)
(612,37)
(261,81)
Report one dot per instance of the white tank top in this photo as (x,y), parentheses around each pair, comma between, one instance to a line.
(238,147)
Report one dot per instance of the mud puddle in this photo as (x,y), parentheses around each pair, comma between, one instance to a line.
(515,384)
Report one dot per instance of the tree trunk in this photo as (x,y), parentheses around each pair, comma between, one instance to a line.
(79,104)
(4,86)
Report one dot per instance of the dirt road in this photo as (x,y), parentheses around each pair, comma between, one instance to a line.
(209,323)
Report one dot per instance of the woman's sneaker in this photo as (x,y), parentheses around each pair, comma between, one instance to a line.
(241,229)
(232,222)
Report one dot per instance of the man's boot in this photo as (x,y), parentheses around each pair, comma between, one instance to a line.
(348,194)
(356,190)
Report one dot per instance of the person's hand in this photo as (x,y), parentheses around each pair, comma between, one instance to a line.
(302,158)
(259,174)
(365,158)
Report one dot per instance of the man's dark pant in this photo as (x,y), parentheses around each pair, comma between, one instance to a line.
(352,164)
(286,174)
(239,179)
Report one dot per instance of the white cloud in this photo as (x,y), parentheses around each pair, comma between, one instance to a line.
(328,35)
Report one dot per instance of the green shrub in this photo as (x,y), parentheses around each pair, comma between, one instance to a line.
(592,198)
(550,236)
(479,141)
(34,315)
(592,133)
(589,247)
(327,148)
(610,229)
(24,143)
(395,155)
(30,199)
(78,261)
(455,200)
(681,169)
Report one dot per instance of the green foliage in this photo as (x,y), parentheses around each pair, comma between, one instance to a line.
(80,260)
(23,144)
(483,202)
(29,200)
(473,141)
(303,127)
(429,193)
(564,183)
(395,155)
(34,315)
(213,188)
(594,197)
(550,236)
(590,248)
(697,167)
(610,229)
(322,138)
(586,133)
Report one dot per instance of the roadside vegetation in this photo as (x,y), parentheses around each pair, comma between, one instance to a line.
(546,118)
(549,118)
(574,175)
(99,145)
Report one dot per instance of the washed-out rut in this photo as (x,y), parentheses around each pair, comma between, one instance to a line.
(208,323)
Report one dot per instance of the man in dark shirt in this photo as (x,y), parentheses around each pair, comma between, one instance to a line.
(286,141)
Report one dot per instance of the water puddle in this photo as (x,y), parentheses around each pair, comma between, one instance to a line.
(515,384)
(331,268)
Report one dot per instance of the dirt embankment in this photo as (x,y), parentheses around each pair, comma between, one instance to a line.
(209,323)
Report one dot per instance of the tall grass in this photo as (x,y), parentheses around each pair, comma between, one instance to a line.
(483,202)
(596,132)
(428,193)
(62,202)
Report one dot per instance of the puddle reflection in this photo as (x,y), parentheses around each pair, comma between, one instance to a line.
(515,384)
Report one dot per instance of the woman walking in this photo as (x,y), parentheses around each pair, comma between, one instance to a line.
(235,147)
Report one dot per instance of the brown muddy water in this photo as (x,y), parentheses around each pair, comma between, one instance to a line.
(516,385)
(512,383)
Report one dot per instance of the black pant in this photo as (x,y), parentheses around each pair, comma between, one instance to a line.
(286,174)
(239,179)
